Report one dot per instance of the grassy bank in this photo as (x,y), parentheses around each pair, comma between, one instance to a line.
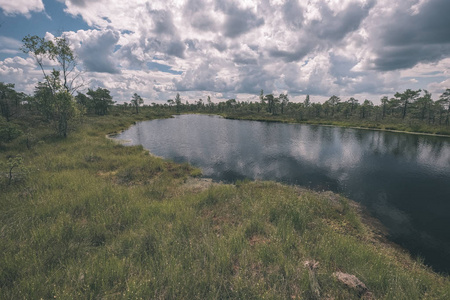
(408,126)
(96,219)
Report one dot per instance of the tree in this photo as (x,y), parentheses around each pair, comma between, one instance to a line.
(101,100)
(317,109)
(43,100)
(384,102)
(423,104)
(83,100)
(333,102)
(61,52)
(366,108)
(210,103)
(178,102)
(9,100)
(58,51)
(445,101)
(8,131)
(200,104)
(271,103)
(353,102)
(393,105)
(136,100)
(284,100)
(55,99)
(307,102)
(39,48)
(261,97)
(65,109)
(16,162)
(407,97)
(170,102)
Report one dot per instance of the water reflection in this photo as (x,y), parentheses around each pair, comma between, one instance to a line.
(401,178)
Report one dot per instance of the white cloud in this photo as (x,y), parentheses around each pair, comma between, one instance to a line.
(437,88)
(24,7)
(22,72)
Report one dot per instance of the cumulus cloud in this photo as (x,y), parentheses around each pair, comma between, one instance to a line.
(95,49)
(22,72)
(204,77)
(24,7)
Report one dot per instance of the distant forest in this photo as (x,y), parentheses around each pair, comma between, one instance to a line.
(410,107)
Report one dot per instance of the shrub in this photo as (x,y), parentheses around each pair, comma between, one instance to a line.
(8,131)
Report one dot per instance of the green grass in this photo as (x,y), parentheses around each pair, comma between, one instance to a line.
(96,219)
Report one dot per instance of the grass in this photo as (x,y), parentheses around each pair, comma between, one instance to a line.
(96,219)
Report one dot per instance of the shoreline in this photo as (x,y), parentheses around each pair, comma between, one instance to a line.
(335,125)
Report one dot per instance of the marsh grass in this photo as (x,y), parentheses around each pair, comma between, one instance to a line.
(96,219)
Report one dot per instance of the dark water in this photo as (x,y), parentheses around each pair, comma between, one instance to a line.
(403,179)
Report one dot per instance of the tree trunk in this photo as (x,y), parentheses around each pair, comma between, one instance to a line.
(404,109)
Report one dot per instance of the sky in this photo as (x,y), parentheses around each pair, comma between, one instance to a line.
(365,49)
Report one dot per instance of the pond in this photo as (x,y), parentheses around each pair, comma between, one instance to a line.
(402,179)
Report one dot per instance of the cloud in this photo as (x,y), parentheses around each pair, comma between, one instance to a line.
(405,38)
(293,14)
(95,49)
(200,15)
(22,72)
(240,21)
(81,3)
(162,22)
(335,26)
(24,7)
(233,48)
(204,77)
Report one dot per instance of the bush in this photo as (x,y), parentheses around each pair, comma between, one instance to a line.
(8,131)
(15,170)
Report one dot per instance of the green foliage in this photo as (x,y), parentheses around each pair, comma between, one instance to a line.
(16,170)
(99,101)
(54,99)
(8,131)
(58,51)
(10,101)
(406,98)
(65,109)
(136,101)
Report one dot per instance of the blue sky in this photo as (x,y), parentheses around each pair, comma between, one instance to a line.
(232,49)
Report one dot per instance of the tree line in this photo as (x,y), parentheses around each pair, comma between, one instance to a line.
(410,106)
